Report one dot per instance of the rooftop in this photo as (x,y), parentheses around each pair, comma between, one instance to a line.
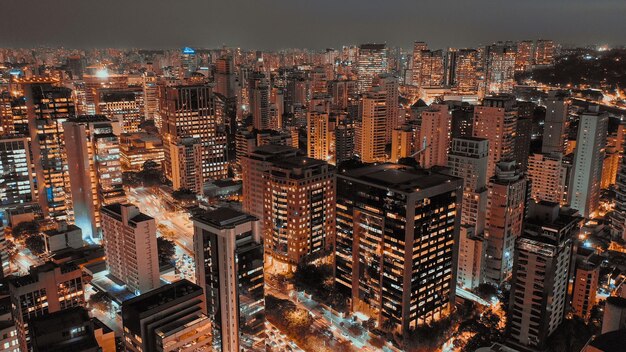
(610,342)
(89,118)
(223,217)
(178,290)
(398,177)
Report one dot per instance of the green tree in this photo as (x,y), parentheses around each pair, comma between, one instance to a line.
(25,228)
(36,244)
(166,249)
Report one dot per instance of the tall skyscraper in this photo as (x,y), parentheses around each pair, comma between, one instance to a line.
(47,108)
(585,288)
(555,126)
(259,88)
(418,48)
(432,68)
(584,194)
(471,258)
(16,181)
(372,61)
(95,173)
(544,52)
(229,266)
(524,57)
(391,220)
(191,111)
(403,142)
(468,160)
(124,105)
(186,162)
(495,121)
(505,213)
(434,136)
(374,125)
(167,319)
(319,135)
(130,245)
(500,59)
(47,288)
(466,71)
(299,210)
(540,276)
(390,84)
(549,177)
(253,167)
(151,98)
(618,215)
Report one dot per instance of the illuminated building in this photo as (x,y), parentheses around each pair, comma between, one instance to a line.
(151,98)
(167,319)
(191,111)
(524,57)
(403,142)
(391,220)
(500,68)
(585,289)
(462,124)
(319,135)
(123,105)
(390,84)
(62,236)
(47,288)
(374,126)
(554,130)
(229,266)
(418,48)
(253,167)
(97,79)
(48,107)
(465,71)
(471,262)
(549,178)
(614,317)
(248,141)
(506,200)
(434,136)
(495,121)
(344,141)
(468,160)
(259,88)
(618,215)
(94,169)
(319,80)
(16,181)
(189,61)
(225,78)
(130,244)
(372,61)
(432,69)
(298,210)
(584,194)
(540,276)
(137,148)
(610,165)
(68,329)
(341,91)
(544,52)
(521,147)
(186,159)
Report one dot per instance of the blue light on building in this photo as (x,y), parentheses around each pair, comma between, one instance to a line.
(189,51)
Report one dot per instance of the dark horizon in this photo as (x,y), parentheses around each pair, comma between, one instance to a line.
(300,24)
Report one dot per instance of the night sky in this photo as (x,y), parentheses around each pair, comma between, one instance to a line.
(316,24)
